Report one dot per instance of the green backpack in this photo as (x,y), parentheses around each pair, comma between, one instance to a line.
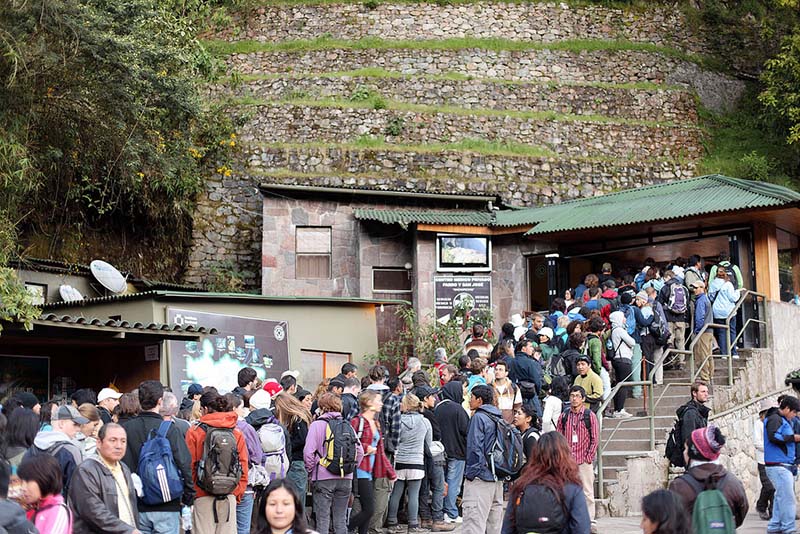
(712,513)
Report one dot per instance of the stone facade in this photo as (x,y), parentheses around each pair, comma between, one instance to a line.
(651,104)
(518,180)
(542,22)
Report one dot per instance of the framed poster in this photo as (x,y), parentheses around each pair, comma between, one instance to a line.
(216,360)
(25,373)
(474,292)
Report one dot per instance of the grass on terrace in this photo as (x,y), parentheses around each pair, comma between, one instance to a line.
(375,101)
(494,44)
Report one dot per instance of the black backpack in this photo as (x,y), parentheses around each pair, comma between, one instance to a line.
(658,329)
(340,448)
(569,361)
(507,457)
(219,468)
(539,509)
(676,441)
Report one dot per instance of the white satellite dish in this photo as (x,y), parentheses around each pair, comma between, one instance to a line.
(108,276)
(69,293)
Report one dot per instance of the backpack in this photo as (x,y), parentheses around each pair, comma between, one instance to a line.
(587,420)
(539,509)
(569,361)
(219,468)
(507,456)
(611,350)
(273,443)
(674,449)
(161,480)
(340,448)
(732,276)
(657,329)
(678,299)
(630,318)
(711,513)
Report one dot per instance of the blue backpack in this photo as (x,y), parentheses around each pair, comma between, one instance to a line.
(161,479)
(630,318)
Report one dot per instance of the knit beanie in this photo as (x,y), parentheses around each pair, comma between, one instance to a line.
(708,442)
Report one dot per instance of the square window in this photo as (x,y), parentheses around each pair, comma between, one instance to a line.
(313,252)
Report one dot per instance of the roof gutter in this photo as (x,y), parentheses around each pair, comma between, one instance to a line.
(376,192)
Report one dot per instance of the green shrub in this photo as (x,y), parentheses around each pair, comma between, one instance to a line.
(395,126)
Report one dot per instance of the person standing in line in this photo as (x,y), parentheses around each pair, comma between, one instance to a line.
(247,379)
(431,501)
(295,418)
(508,394)
(552,408)
(255,455)
(622,345)
(280,511)
(724,298)
(102,494)
(60,442)
(41,484)
(674,298)
(663,512)
(779,457)
(390,415)
(527,422)
(107,400)
(767,493)
(454,424)
(483,493)
(478,343)
(703,315)
(583,440)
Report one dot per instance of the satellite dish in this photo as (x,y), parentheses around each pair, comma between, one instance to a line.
(108,276)
(69,293)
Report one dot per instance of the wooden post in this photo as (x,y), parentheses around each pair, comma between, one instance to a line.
(796,271)
(766,255)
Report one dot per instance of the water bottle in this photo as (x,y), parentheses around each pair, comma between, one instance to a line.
(186,519)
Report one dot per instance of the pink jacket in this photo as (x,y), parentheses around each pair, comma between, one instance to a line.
(52,515)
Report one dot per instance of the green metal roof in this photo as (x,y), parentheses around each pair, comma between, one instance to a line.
(675,200)
(404,217)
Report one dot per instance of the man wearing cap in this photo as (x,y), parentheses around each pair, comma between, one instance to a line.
(192,394)
(605,273)
(107,400)
(702,316)
(590,381)
(765,497)
(59,442)
(702,453)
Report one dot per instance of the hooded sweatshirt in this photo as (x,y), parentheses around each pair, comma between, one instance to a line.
(622,341)
(315,449)
(195,440)
(415,434)
(453,420)
(13,520)
(66,451)
(52,515)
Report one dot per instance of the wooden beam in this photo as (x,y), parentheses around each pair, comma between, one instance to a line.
(766,255)
(471,230)
(796,271)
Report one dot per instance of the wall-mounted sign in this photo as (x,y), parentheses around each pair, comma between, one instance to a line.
(239,342)
(25,373)
(474,292)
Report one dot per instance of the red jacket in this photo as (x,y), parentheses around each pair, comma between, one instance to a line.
(196,437)
(382,468)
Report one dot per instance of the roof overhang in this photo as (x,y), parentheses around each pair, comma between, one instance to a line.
(378,192)
(472,230)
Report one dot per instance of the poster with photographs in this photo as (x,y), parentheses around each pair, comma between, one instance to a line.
(216,360)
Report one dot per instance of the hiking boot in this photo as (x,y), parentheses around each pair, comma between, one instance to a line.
(426,523)
(417,529)
(441,526)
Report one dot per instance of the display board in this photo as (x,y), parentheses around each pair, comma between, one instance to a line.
(449,291)
(216,360)
(25,373)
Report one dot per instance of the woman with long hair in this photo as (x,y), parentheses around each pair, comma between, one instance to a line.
(46,415)
(87,436)
(280,511)
(41,489)
(128,407)
(295,418)
(548,496)
(529,425)
(663,512)
(22,428)
(375,463)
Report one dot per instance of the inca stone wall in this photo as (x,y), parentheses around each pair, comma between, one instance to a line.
(534,21)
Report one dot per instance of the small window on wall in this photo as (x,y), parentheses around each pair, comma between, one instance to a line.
(316,365)
(391,280)
(313,252)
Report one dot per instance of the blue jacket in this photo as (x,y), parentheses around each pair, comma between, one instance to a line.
(525,368)
(481,437)
(574,505)
(779,446)
(702,308)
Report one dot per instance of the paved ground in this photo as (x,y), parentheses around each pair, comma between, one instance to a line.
(630,525)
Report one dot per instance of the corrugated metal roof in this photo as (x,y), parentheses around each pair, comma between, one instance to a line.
(675,200)
(406,217)
(116,325)
(243,297)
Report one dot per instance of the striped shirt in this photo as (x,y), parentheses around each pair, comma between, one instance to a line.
(582,445)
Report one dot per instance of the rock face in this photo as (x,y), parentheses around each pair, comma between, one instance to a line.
(592,100)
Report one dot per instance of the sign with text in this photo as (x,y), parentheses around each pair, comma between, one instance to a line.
(451,291)
(239,342)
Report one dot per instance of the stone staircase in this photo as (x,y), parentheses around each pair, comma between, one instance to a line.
(534,102)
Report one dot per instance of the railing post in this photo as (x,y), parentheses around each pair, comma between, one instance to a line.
(651,413)
(600,449)
(730,348)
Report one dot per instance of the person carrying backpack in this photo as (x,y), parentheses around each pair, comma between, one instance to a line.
(548,498)
(153,442)
(619,350)
(332,453)
(780,443)
(690,417)
(219,466)
(725,263)
(714,494)
(674,298)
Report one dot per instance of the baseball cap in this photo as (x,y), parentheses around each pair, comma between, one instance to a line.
(289,372)
(606,268)
(697,283)
(69,413)
(108,393)
(26,399)
(195,389)
(424,391)
(272,387)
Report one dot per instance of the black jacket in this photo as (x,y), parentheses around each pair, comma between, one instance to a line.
(94,499)
(13,520)
(139,429)
(453,420)
(187,404)
(692,416)
(105,415)
(349,406)
(297,437)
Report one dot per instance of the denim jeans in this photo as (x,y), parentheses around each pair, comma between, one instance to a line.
(331,496)
(244,513)
(434,485)
(413,501)
(455,476)
(636,367)
(722,335)
(299,477)
(159,522)
(784,506)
